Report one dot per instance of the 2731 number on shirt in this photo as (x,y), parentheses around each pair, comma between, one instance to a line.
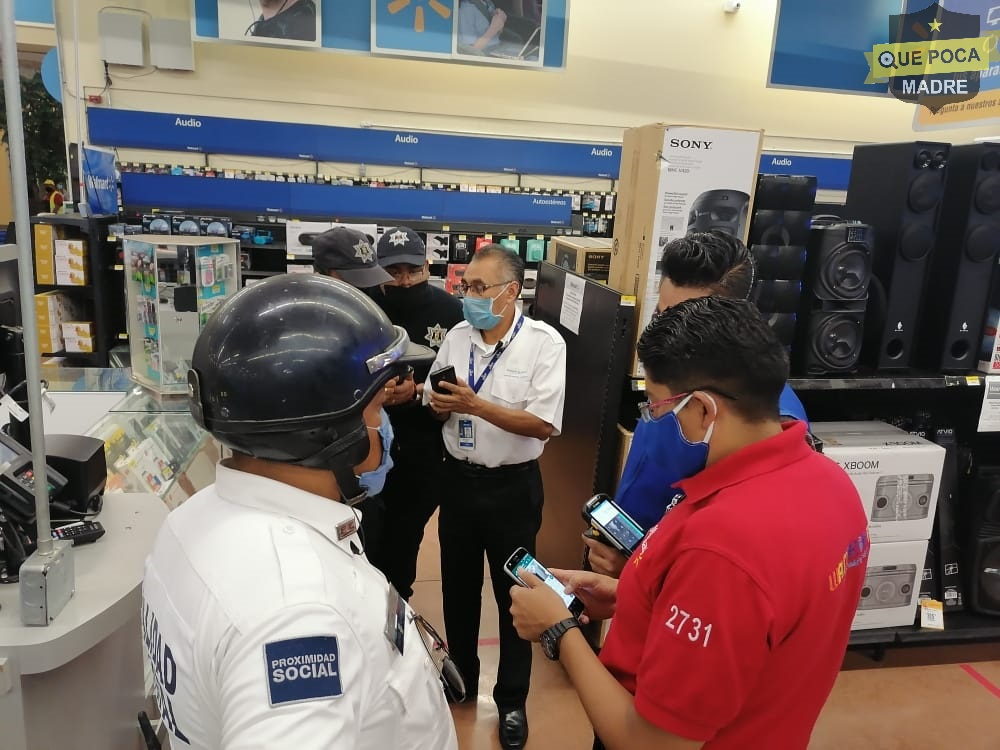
(683,624)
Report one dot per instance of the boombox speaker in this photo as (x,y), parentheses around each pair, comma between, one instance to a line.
(779,262)
(832,313)
(777,296)
(897,188)
(780,227)
(985,574)
(785,192)
(958,284)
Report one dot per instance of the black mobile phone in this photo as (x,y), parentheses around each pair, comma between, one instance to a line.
(401,378)
(522,561)
(615,525)
(445,374)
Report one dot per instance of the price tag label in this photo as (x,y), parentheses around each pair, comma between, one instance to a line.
(972,380)
(14,408)
(931,614)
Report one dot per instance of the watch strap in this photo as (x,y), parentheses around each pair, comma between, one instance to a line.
(555,633)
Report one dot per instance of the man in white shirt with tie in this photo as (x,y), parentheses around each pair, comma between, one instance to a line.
(511,373)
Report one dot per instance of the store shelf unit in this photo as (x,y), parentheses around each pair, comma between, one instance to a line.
(102,297)
(961,629)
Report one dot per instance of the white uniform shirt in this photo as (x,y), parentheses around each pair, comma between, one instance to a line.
(264,630)
(530,375)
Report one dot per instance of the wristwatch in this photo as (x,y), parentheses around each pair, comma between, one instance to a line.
(550,638)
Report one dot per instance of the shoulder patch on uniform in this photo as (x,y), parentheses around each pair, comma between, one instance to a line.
(303,669)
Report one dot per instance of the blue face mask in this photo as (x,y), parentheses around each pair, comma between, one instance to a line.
(478,311)
(676,457)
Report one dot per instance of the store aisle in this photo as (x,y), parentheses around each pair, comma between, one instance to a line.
(911,708)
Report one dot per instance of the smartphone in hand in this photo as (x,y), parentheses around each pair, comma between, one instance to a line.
(446,375)
(522,561)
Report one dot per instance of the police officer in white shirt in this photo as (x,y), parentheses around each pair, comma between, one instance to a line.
(264,623)
(511,374)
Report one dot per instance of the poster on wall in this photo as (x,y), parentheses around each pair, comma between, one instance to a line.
(984,108)
(277,22)
(486,31)
(522,33)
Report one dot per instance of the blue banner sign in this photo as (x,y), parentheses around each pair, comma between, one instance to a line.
(297,200)
(100,180)
(832,173)
(227,135)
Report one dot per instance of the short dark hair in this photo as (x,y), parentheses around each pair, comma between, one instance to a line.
(722,343)
(512,262)
(713,260)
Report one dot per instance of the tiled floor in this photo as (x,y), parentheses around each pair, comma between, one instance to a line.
(940,707)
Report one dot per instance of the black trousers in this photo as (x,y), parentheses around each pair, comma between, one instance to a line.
(491,511)
(411,495)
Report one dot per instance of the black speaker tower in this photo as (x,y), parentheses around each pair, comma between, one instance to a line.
(958,284)
(897,189)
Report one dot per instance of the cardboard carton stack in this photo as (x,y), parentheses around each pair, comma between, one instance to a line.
(674,180)
(52,309)
(898,476)
(71,263)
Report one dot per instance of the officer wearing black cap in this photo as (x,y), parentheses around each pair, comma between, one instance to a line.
(263,622)
(413,488)
(348,255)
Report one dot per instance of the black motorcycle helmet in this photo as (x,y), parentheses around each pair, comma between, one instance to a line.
(285,368)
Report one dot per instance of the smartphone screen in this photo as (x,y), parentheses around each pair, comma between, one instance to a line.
(622,528)
(531,565)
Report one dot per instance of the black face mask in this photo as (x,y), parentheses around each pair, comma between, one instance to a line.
(406,296)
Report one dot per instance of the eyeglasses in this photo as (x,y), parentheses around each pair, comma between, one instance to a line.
(478,288)
(646,408)
(400,274)
(451,678)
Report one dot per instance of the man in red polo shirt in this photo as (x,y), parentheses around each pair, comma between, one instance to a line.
(732,618)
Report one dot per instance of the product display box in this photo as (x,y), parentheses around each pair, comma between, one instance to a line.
(890,594)
(456,271)
(438,247)
(173,285)
(46,236)
(898,476)
(676,179)
(52,310)
(587,256)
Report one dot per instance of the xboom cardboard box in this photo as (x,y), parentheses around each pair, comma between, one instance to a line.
(677,179)
(890,593)
(897,475)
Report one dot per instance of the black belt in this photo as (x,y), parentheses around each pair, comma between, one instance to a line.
(467,467)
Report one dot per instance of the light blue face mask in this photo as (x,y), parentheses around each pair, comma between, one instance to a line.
(675,454)
(478,311)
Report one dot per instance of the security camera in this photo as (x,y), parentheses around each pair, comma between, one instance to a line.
(731,6)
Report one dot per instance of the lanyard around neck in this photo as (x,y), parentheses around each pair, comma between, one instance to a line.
(500,349)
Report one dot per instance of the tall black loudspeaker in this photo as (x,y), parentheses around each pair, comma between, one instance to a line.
(958,284)
(897,189)
(831,321)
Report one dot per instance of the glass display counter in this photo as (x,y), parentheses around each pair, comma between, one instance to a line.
(154,445)
(152,442)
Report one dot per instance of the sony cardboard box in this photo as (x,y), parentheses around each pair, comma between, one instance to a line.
(674,180)
(890,593)
(587,256)
(898,476)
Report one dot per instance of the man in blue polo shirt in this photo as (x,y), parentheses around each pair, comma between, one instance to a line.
(700,264)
